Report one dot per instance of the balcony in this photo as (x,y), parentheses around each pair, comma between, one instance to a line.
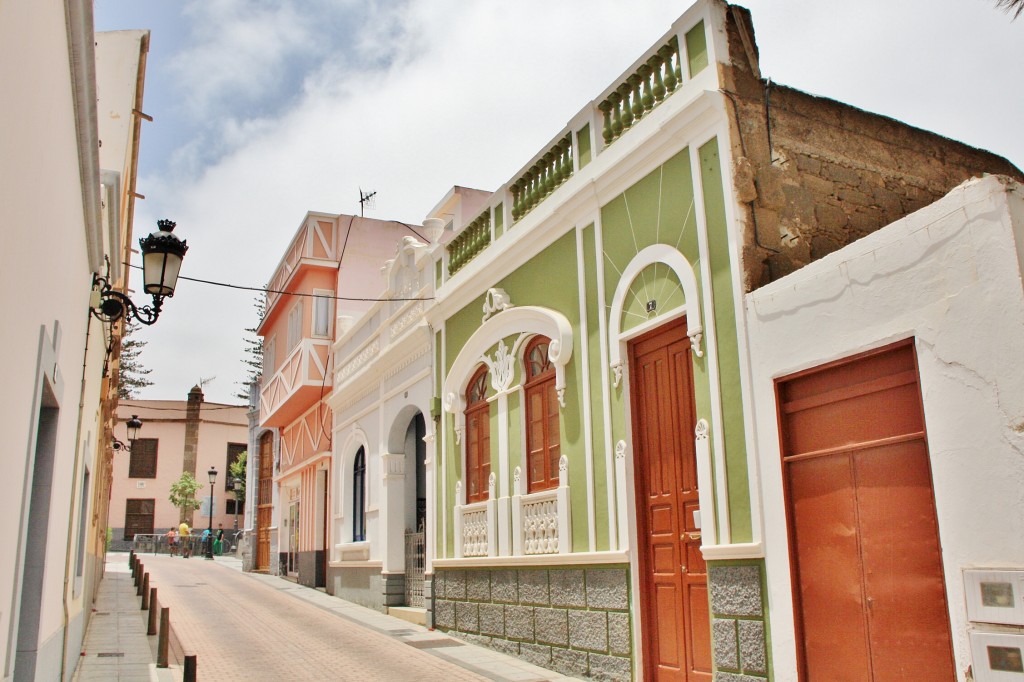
(677,63)
(301,381)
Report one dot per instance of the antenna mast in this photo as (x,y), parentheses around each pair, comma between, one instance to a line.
(366,201)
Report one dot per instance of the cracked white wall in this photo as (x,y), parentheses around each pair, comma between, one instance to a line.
(948,275)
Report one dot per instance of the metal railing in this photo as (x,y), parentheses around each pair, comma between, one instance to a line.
(414,567)
(157,543)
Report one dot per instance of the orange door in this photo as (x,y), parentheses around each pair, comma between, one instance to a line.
(674,600)
(864,541)
(264,502)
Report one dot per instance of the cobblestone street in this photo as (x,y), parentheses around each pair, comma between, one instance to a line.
(248,627)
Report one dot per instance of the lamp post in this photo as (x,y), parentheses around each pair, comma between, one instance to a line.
(212,473)
(236,486)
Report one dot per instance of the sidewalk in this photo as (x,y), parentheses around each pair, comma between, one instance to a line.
(116,646)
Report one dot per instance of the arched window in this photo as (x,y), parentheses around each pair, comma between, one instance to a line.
(543,445)
(478,438)
(359,497)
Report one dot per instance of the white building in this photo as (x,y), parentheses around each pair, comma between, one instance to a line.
(382,413)
(890,422)
(69,132)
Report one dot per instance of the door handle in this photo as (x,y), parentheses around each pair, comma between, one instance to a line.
(693,536)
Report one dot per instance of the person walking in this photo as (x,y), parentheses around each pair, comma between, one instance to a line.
(218,544)
(172,542)
(185,536)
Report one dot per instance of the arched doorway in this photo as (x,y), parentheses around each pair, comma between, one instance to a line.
(415,510)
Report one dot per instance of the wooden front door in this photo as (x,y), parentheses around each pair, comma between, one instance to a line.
(869,594)
(264,502)
(675,622)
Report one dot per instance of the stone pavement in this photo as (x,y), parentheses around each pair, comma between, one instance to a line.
(116,645)
(245,626)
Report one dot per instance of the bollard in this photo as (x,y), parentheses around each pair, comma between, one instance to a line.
(143,582)
(164,638)
(131,558)
(151,626)
(138,577)
(145,592)
(190,669)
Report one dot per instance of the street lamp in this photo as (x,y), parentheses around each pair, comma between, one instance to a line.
(212,473)
(134,424)
(161,260)
(236,486)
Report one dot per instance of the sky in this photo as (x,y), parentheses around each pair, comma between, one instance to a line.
(264,110)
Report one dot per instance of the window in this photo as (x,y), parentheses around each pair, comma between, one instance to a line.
(322,301)
(542,436)
(478,438)
(143,459)
(234,450)
(229,507)
(359,497)
(269,348)
(295,325)
(138,517)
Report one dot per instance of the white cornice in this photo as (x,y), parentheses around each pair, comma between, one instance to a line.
(662,134)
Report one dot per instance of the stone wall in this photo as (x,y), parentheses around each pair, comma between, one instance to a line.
(363,586)
(738,630)
(572,620)
(812,174)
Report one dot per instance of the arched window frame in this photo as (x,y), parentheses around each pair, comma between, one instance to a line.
(478,437)
(540,395)
(359,496)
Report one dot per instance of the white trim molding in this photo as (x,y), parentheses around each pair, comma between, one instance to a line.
(524,321)
(667,255)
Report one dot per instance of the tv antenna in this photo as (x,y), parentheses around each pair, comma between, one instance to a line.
(203,382)
(366,201)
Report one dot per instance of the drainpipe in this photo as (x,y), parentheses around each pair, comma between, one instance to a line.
(71,503)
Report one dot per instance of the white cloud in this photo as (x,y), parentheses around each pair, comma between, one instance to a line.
(409,98)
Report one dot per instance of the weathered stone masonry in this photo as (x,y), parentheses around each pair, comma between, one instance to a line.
(814,174)
(573,620)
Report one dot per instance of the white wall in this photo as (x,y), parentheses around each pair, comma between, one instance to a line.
(948,275)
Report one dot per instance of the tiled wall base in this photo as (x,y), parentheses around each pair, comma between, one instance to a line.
(572,620)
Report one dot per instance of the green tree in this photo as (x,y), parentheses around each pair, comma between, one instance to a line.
(1014,7)
(183,494)
(237,470)
(131,375)
(252,356)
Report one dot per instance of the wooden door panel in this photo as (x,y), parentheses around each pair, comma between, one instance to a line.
(908,618)
(698,617)
(674,607)
(869,592)
(831,602)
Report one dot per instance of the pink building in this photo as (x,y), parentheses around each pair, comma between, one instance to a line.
(176,436)
(332,262)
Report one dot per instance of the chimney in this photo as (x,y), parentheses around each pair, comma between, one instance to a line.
(195,403)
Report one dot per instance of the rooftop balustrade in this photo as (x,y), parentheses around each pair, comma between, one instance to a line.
(651,80)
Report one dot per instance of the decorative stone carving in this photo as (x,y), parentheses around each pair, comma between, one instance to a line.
(700,431)
(517,481)
(474,533)
(540,526)
(616,374)
(356,363)
(620,449)
(495,301)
